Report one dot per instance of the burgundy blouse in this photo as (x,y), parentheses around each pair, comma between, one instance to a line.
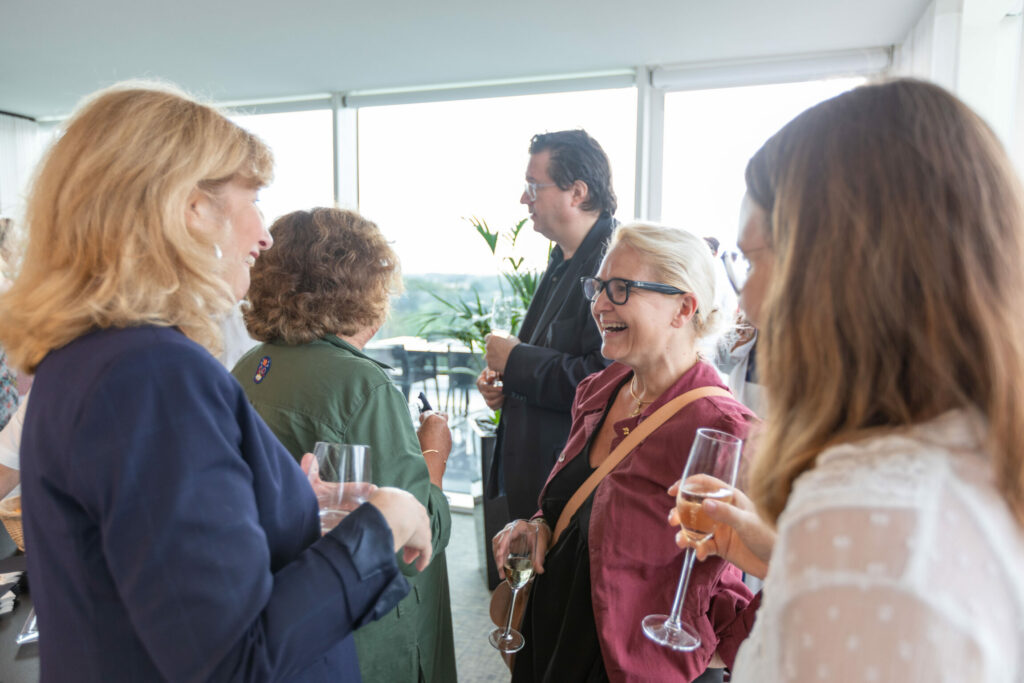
(634,560)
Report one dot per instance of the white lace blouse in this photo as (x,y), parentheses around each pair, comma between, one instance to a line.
(896,560)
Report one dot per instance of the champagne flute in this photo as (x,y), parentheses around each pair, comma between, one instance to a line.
(518,567)
(341,480)
(710,472)
(501,316)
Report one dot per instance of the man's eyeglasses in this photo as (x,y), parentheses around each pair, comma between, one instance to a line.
(617,289)
(531,189)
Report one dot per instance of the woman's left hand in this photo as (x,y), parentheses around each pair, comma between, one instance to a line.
(502,539)
(435,443)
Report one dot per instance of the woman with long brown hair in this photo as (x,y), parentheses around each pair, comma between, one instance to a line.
(885,230)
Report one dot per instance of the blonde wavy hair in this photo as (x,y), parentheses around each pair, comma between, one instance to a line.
(897,224)
(107,239)
(681,259)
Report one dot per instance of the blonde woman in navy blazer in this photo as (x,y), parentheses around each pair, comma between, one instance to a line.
(172,536)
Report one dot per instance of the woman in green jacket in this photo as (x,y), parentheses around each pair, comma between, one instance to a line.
(317,296)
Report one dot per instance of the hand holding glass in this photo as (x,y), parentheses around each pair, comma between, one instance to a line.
(501,325)
(341,480)
(710,472)
(501,316)
(518,567)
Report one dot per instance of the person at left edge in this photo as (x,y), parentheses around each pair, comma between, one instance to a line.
(172,536)
(316,298)
(9,398)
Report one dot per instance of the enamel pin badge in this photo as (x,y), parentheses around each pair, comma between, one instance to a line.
(262,369)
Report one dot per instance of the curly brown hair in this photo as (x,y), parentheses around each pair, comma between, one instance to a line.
(329,272)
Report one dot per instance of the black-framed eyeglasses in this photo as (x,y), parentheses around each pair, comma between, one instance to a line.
(617,289)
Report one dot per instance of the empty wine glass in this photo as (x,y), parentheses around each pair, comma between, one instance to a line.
(341,480)
(518,571)
(710,472)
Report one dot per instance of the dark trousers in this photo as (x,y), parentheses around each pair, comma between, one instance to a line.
(710,676)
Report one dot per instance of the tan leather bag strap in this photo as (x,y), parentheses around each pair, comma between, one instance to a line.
(625,447)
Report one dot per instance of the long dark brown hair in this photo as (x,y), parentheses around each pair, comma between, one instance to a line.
(898,230)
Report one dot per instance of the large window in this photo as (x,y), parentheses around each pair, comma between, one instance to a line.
(425,168)
(303,149)
(709,137)
(21,145)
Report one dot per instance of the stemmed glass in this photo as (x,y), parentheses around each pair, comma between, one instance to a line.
(341,480)
(501,323)
(501,316)
(710,472)
(518,567)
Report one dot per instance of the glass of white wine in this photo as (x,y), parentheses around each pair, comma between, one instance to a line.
(501,316)
(710,472)
(518,567)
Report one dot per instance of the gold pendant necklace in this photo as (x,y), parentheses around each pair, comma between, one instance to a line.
(638,408)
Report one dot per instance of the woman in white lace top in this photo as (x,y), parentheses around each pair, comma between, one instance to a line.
(885,231)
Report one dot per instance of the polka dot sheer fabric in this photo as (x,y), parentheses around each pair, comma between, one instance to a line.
(896,560)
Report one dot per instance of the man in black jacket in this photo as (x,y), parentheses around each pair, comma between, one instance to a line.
(571,201)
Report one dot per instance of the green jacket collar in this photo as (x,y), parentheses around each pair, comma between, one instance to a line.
(336,341)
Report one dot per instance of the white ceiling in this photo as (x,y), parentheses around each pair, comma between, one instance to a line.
(52,52)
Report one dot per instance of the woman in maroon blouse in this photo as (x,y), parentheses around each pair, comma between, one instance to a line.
(654,302)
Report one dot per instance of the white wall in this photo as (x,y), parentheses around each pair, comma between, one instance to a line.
(987,79)
(932,48)
(19,150)
(973,48)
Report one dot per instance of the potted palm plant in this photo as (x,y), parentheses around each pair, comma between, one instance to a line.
(470,318)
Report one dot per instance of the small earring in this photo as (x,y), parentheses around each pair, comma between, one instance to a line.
(218,252)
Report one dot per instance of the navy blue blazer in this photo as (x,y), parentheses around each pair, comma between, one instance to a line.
(170,536)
